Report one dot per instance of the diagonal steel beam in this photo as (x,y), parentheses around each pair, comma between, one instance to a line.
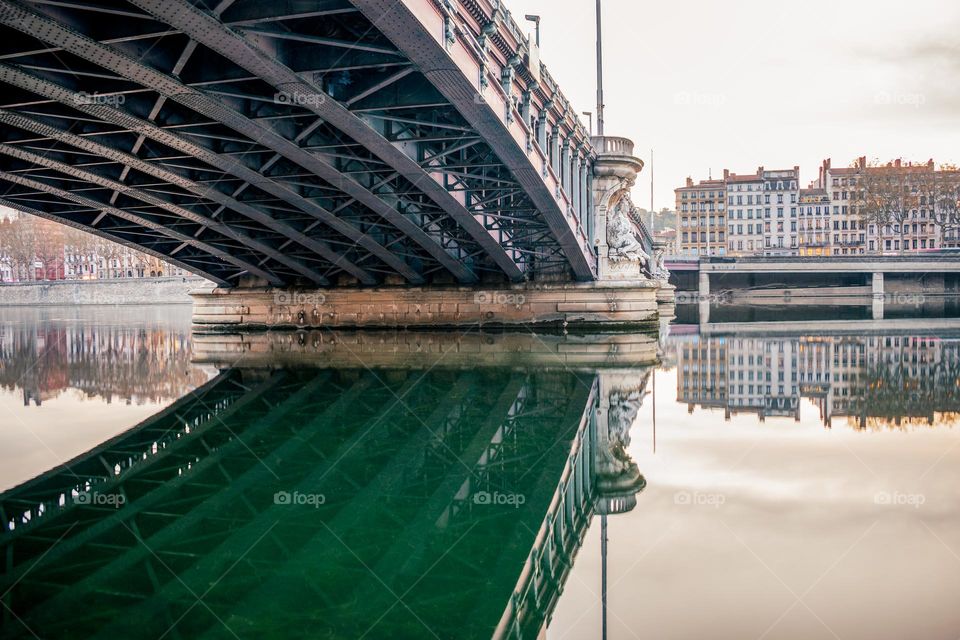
(144,222)
(352,45)
(106,113)
(18,16)
(405,30)
(212,33)
(226,230)
(130,161)
(114,238)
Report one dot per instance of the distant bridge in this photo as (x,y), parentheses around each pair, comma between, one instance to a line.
(309,143)
(804,271)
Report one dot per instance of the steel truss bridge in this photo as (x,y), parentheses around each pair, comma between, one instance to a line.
(304,142)
(123,540)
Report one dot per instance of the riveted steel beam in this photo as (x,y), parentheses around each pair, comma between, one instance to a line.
(130,161)
(397,22)
(221,228)
(18,16)
(224,162)
(212,33)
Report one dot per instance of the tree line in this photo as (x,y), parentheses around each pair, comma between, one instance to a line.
(895,194)
(33,248)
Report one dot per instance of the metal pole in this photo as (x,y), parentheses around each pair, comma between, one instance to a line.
(651,195)
(654,406)
(599,74)
(603,579)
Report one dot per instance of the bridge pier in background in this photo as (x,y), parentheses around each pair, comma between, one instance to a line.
(878,284)
(704,285)
(878,295)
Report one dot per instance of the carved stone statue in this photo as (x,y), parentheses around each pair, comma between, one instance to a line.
(623,409)
(622,236)
(659,270)
(616,470)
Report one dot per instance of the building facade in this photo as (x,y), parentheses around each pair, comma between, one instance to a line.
(701,216)
(747,227)
(781,191)
(768,214)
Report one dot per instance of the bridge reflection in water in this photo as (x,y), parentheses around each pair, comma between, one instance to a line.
(329,502)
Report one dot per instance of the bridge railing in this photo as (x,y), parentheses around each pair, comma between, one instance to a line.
(474,63)
(560,535)
(526,138)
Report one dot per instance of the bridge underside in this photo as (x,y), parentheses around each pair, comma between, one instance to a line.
(289,143)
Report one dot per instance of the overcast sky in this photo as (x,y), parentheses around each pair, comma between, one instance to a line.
(714,85)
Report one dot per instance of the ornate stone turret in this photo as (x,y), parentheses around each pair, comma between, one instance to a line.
(623,246)
(626,251)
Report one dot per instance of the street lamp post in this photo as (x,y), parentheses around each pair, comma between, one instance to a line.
(599,74)
(536,21)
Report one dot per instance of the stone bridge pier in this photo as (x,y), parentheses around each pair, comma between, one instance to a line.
(629,288)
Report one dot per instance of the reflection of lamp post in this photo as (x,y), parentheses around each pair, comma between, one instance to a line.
(536,21)
(603,573)
(599,75)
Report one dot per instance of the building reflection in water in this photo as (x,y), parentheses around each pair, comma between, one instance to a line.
(871,381)
(399,501)
(43,354)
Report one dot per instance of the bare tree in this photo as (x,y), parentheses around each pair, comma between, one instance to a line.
(26,241)
(887,194)
(18,243)
(48,249)
(940,195)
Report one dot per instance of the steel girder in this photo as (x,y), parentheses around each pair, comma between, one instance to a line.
(411,35)
(226,164)
(157,224)
(298,124)
(132,162)
(37,160)
(208,30)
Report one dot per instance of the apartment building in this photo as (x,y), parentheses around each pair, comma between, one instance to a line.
(702,218)
(747,226)
(848,232)
(813,223)
(780,195)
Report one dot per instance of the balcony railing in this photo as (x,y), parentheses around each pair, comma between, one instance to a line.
(613,145)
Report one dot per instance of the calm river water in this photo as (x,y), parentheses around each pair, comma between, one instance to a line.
(767,479)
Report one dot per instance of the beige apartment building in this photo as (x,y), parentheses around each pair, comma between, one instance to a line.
(701,217)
